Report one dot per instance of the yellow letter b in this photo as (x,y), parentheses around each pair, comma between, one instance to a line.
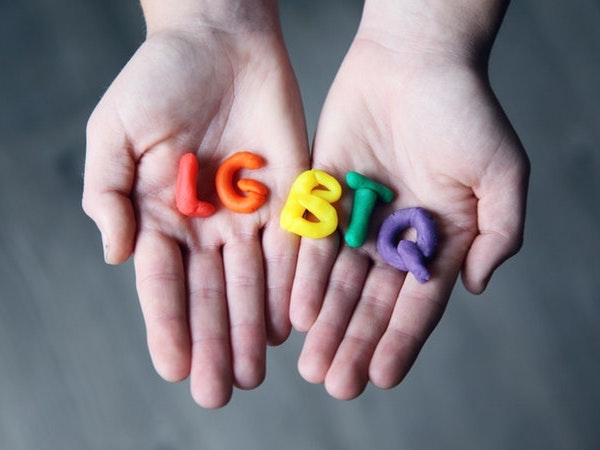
(307,195)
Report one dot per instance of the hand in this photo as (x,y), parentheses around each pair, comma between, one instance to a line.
(430,129)
(202,283)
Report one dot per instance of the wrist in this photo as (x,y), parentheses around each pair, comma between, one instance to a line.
(462,30)
(225,15)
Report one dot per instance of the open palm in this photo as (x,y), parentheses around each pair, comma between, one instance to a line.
(434,133)
(202,283)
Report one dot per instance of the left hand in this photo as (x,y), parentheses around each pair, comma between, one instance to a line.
(433,132)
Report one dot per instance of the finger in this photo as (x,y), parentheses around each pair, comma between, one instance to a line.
(315,260)
(244,275)
(324,337)
(349,372)
(108,180)
(280,251)
(161,289)
(417,311)
(501,219)
(211,377)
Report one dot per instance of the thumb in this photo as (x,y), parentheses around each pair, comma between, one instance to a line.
(108,180)
(502,195)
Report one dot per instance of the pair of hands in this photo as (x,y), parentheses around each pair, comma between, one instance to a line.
(214,292)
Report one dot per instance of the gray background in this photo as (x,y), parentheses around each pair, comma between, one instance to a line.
(516,368)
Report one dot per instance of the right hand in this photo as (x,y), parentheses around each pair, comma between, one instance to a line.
(202,283)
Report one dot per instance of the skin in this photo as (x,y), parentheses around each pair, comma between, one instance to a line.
(213,291)
(414,110)
(411,107)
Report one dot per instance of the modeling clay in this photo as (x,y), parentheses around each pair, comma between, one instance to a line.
(408,256)
(367,192)
(313,191)
(186,197)
(253,192)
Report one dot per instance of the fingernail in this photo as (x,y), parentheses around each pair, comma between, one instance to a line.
(105,248)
